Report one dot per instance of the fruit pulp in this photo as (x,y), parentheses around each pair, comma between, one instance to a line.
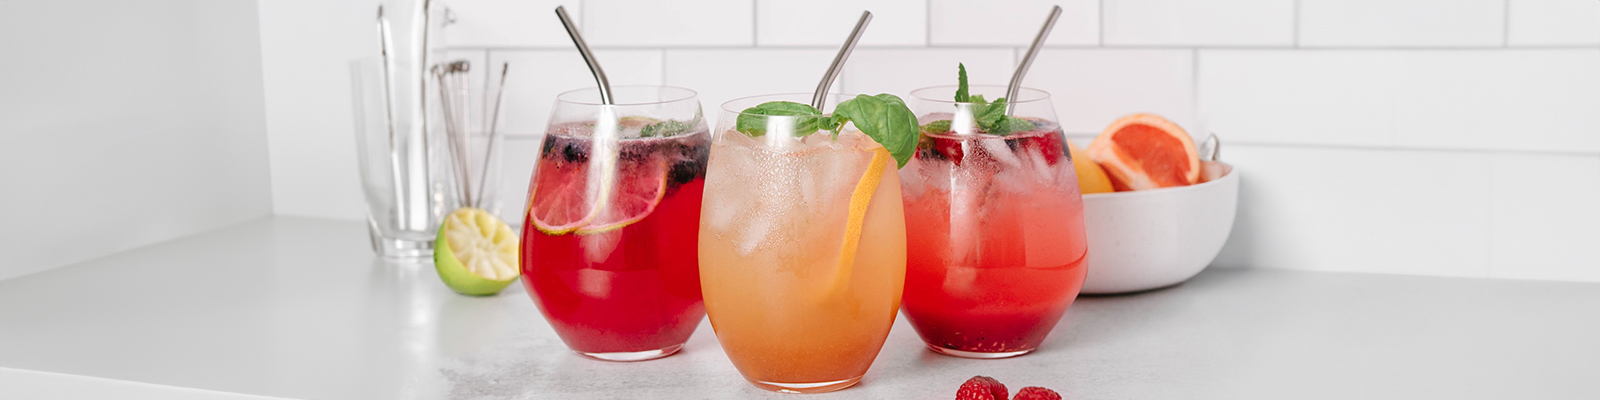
(628,289)
(771,240)
(995,239)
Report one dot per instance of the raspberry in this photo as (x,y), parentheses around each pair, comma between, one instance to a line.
(1036,393)
(981,388)
(1050,146)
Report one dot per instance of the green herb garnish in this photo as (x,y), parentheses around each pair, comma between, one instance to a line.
(753,121)
(884,118)
(666,128)
(936,127)
(991,117)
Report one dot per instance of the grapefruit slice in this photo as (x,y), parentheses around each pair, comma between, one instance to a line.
(558,207)
(643,185)
(555,199)
(1091,179)
(476,253)
(1146,151)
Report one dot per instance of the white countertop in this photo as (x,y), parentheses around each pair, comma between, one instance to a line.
(299,308)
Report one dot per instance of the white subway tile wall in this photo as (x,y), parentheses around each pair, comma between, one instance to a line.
(1364,210)
(538,76)
(499,23)
(1553,22)
(1402,23)
(1199,22)
(826,23)
(1011,23)
(1092,87)
(1434,137)
(1545,223)
(669,23)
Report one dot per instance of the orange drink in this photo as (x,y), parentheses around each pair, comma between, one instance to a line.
(802,252)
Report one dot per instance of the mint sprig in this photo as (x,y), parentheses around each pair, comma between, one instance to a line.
(666,128)
(884,118)
(991,117)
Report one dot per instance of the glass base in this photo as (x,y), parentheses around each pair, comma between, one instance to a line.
(627,356)
(799,388)
(977,355)
(403,250)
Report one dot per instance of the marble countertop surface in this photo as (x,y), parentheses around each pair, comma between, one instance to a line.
(300,308)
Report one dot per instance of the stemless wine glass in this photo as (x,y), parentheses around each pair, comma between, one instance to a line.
(995,224)
(608,244)
(802,247)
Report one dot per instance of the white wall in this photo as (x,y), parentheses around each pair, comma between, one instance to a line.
(1437,137)
(125,124)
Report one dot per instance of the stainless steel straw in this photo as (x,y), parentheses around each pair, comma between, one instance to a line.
(385,44)
(588,56)
(820,98)
(452,78)
(1027,60)
(494,126)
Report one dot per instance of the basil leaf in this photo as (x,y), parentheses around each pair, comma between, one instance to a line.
(937,127)
(753,121)
(886,119)
(961,83)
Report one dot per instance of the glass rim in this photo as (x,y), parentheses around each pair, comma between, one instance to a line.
(689,94)
(1029,95)
(802,95)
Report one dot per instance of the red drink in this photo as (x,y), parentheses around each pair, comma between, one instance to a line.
(615,271)
(995,241)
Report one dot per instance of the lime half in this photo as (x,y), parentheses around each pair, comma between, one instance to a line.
(476,252)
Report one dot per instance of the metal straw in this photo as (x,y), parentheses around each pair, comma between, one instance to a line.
(588,56)
(1027,60)
(451,78)
(494,126)
(385,44)
(820,98)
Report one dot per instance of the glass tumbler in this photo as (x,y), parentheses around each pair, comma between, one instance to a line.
(995,239)
(608,242)
(405,173)
(802,248)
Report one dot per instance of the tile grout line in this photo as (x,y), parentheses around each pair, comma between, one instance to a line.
(927,21)
(1296,43)
(755,27)
(1101,30)
(1505,24)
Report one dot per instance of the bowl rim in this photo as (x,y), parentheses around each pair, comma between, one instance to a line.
(1156,192)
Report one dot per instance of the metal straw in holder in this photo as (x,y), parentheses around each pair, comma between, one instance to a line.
(473,150)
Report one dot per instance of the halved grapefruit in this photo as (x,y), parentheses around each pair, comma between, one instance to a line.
(1145,151)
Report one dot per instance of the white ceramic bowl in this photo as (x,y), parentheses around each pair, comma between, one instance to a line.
(1156,238)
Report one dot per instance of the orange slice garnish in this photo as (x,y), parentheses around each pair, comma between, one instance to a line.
(859,200)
